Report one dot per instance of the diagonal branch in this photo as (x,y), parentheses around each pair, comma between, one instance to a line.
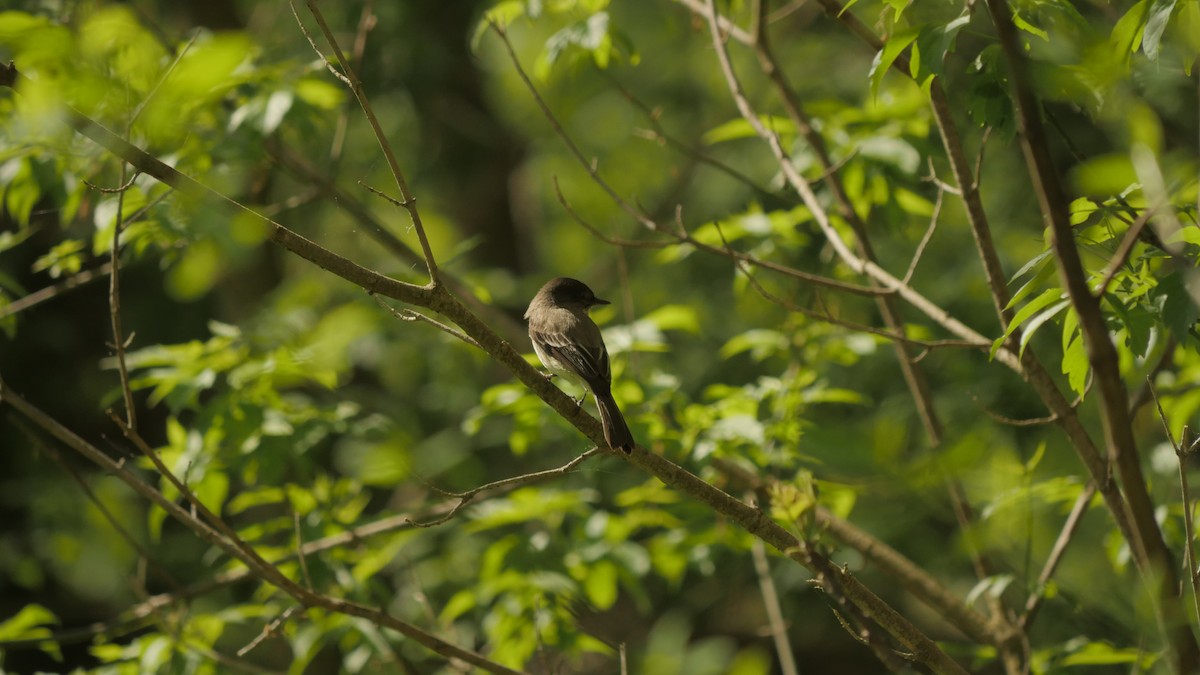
(235,547)
(1027,365)
(438,299)
(1153,556)
(465,498)
(114,302)
(914,375)
(347,74)
(646,221)
(1034,602)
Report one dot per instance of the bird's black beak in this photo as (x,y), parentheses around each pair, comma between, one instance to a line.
(598,301)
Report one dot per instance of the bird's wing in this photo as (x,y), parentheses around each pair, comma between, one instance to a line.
(588,361)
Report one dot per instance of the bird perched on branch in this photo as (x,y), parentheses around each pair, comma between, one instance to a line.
(568,343)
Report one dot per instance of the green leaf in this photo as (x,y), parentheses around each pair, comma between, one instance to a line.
(31,623)
(601,584)
(740,128)
(1075,365)
(1024,25)
(894,151)
(461,603)
(278,104)
(675,317)
(839,498)
(1105,175)
(1044,274)
(589,36)
(930,49)
(65,258)
(319,93)
(1102,654)
(760,342)
(1189,235)
(20,188)
(502,15)
(27,622)
(913,203)
(1036,459)
(1039,320)
(1037,260)
(197,272)
(888,55)
(1179,308)
(1156,23)
(1047,298)
(1126,35)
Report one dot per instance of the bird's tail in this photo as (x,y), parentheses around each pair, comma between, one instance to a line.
(616,432)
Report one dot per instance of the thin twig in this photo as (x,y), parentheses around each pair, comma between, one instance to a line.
(50,292)
(235,546)
(114,303)
(1026,364)
(925,239)
(659,134)
(137,112)
(987,133)
(351,79)
(914,375)
(112,519)
(1151,554)
(593,172)
(783,647)
(300,546)
(821,216)
(903,571)
(271,629)
(410,315)
(366,23)
(465,498)
(826,317)
(1181,455)
(1070,526)
(120,189)
(595,232)
(379,193)
(499,320)
(1123,251)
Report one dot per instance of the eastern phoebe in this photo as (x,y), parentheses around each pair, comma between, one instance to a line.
(568,343)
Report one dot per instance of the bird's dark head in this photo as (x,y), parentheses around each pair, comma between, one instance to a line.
(568,292)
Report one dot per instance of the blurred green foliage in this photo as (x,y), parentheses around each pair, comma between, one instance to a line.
(299,408)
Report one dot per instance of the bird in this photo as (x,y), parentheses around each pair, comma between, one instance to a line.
(568,343)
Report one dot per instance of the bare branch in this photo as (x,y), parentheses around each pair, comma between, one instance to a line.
(410,315)
(907,574)
(271,629)
(351,79)
(306,171)
(114,303)
(1034,603)
(933,223)
(783,648)
(50,292)
(1123,250)
(914,376)
(215,534)
(593,172)
(826,317)
(465,498)
(1027,364)
(1150,550)
(1181,455)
